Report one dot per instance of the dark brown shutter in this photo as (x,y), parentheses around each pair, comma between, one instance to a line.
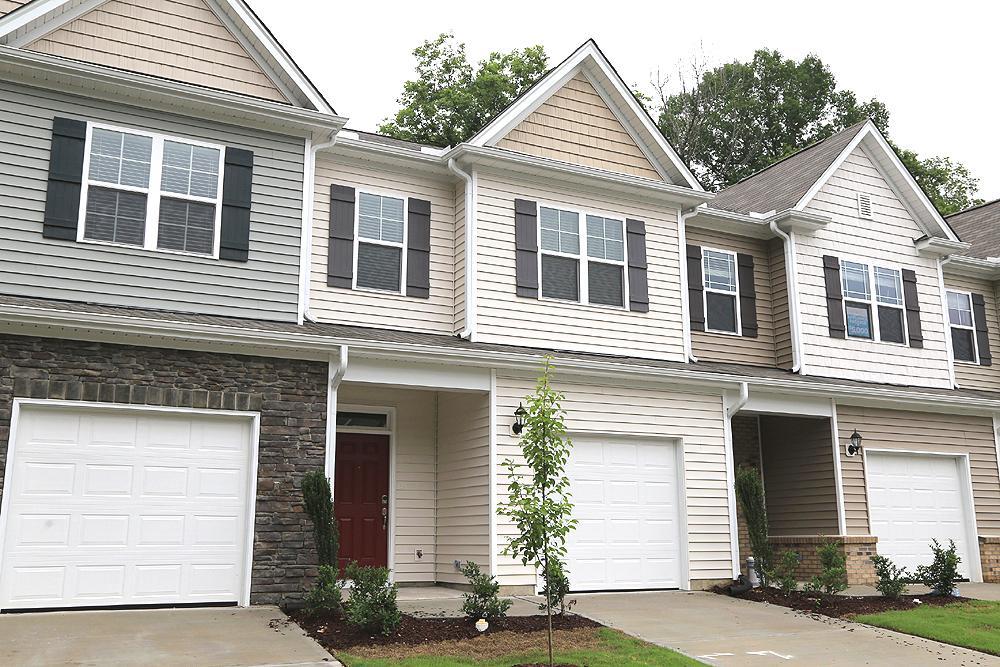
(638,286)
(696,289)
(912,303)
(237,186)
(340,256)
(982,330)
(526,247)
(834,297)
(418,249)
(748,295)
(62,198)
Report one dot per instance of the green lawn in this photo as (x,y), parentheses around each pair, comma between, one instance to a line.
(616,649)
(974,625)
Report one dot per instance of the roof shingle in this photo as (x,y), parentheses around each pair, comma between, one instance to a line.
(980,226)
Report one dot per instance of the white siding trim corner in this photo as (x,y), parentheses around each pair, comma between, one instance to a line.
(838,475)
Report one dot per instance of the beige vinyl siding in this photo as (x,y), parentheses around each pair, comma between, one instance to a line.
(759,351)
(575,125)
(779,305)
(7,6)
(415,466)
(799,481)
(628,408)
(888,240)
(435,314)
(503,317)
(974,376)
(463,501)
(175,39)
(920,432)
(459,256)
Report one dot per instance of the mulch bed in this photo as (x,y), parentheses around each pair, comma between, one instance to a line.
(839,606)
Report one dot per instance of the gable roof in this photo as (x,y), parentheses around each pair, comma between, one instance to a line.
(590,60)
(980,226)
(38,18)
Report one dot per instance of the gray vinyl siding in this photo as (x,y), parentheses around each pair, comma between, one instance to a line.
(264,287)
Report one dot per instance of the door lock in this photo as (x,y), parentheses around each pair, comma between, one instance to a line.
(385,518)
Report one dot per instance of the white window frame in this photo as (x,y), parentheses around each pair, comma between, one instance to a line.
(872,302)
(358,191)
(972,312)
(736,293)
(583,272)
(153,193)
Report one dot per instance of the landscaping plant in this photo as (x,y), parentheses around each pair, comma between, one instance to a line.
(484,600)
(892,579)
(372,604)
(832,578)
(556,588)
(538,500)
(941,574)
(319,506)
(783,574)
(325,596)
(750,495)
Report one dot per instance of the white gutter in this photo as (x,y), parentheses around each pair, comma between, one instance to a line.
(685,306)
(305,238)
(470,248)
(740,401)
(791,282)
(947,321)
(337,368)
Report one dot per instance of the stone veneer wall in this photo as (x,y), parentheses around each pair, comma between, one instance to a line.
(989,554)
(857,550)
(289,394)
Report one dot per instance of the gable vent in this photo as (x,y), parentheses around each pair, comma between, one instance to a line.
(864,205)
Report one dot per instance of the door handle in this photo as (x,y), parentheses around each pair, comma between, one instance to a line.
(385,518)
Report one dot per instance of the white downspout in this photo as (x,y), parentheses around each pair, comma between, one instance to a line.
(337,368)
(947,322)
(305,239)
(470,249)
(791,282)
(730,410)
(685,306)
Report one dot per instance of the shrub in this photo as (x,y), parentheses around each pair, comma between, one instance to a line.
(941,574)
(750,494)
(833,576)
(372,605)
(891,578)
(556,588)
(484,601)
(319,506)
(325,595)
(783,574)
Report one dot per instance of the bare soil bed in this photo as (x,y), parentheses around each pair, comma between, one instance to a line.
(839,606)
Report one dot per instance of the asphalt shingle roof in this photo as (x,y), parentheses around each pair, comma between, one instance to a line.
(980,226)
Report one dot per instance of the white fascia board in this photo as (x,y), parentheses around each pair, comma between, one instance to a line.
(718,220)
(24,15)
(933,246)
(418,375)
(973,267)
(373,150)
(800,222)
(41,24)
(790,404)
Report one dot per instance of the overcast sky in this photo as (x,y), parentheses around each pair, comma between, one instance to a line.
(932,64)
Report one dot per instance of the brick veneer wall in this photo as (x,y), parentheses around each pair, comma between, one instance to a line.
(289,394)
(857,550)
(989,554)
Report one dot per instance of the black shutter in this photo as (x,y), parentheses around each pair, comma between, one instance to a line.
(340,255)
(982,330)
(526,247)
(62,198)
(638,286)
(748,295)
(696,289)
(834,297)
(418,249)
(913,329)
(237,184)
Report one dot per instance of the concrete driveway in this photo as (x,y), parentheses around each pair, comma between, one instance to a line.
(212,637)
(724,631)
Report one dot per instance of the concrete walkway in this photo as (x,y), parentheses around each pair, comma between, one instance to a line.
(977,591)
(213,637)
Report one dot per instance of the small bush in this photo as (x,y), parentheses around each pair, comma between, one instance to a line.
(556,588)
(891,578)
(484,601)
(372,605)
(750,495)
(941,574)
(832,578)
(325,595)
(783,574)
(318,502)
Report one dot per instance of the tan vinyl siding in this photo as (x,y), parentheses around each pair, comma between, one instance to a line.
(175,39)
(575,125)
(7,6)
(887,239)
(974,376)
(415,465)
(503,317)
(435,314)
(759,351)
(799,480)
(779,305)
(459,281)
(627,408)
(917,431)
(463,501)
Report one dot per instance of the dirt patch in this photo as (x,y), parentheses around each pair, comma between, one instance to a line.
(839,606)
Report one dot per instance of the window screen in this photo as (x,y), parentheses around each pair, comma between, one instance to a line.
(380,218)
(560,230)
(190,170)
(959,309)
(379,266)
(859,320)
(120,158)
(605,284)
(560,278)
(720,311)
(115,216)
(890,325)
(605,238)
(720,270)
(963,344)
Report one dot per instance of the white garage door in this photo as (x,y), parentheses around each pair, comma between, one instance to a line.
(625,498)
(123,507)
(913,498)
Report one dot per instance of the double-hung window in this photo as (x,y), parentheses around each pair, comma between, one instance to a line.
(866,288)
(721,289)
(151,191)
(605,261)
(559,232)
(595,275)
(963,330)
(381,238)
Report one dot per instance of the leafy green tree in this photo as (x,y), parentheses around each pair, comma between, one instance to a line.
(539,502)
(450,99)
(750,496)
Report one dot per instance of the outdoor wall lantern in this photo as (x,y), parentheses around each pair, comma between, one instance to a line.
(855,445)
(519,416)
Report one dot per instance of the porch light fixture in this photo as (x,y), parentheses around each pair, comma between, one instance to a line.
(855,445)
(519,416)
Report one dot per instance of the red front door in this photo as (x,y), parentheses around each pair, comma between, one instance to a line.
(361,498)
